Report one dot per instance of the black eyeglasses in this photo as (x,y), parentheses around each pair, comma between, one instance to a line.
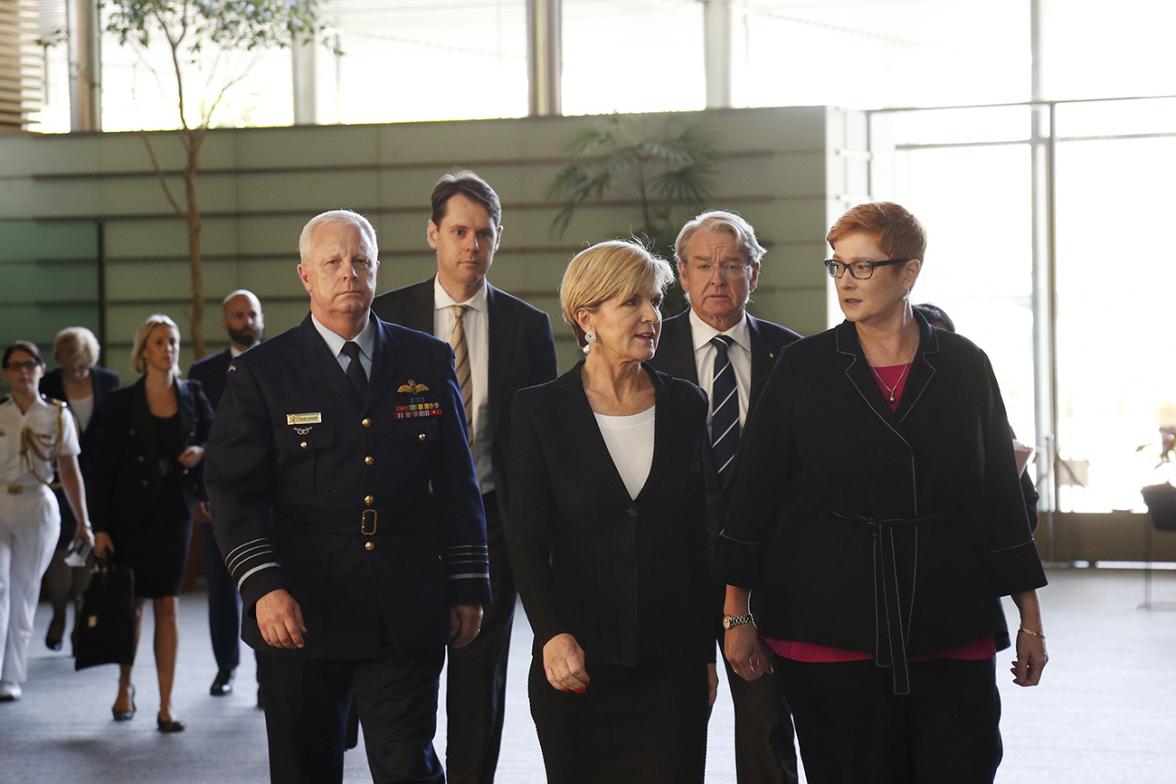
(860,270)
(28,364)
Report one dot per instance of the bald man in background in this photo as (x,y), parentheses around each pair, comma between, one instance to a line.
(245,325)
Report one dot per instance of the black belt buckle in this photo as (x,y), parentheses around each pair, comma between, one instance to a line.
(368,522)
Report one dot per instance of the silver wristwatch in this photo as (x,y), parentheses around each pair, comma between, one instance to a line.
(731,621)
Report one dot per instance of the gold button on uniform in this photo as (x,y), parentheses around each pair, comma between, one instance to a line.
(369,546)
(369,460)
(368,500)
(367,422)
(421,437)
(303,445)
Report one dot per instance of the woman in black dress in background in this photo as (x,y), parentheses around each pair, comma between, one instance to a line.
(78,381)
(152,442)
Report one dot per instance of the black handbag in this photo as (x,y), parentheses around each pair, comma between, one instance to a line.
(106,627)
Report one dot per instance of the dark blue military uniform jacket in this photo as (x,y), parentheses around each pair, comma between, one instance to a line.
(367,511)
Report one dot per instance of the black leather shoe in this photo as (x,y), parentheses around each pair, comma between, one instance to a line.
(222,684)
(125,715)
(53,635)
(169,725)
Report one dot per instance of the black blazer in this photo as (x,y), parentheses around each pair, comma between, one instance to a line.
(104,381)
(873,530)
(125,487)
(626,577)
(366,510)
(522,354)
(211,372)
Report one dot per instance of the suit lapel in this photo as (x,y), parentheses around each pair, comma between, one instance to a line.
(142,420)
(669,438)
(861,377)
(677,348)
(321,365)
(418,313)
(385,363)
(577,413)
(763,357)
(922,368)
(187,406)
(501,339)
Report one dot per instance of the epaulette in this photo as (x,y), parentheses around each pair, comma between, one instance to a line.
(56,402)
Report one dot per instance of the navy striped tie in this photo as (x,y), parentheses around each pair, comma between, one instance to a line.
(724,408)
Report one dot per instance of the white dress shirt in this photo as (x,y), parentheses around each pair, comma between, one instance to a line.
(476,324)
(366,341)
(739,353)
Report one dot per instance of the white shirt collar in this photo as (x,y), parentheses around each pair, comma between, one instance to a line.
(703,333)
(366,339)
(441,298)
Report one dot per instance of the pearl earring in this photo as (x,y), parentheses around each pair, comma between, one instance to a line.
(589,339)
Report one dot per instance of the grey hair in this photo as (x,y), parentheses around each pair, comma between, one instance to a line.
(720,220)
(337,216)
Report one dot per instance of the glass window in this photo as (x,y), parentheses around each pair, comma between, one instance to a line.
(1101,50)
(424,61)
(885,53)
(633,56)
(1116,344)
(975,205)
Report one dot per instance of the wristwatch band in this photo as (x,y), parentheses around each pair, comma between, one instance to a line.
(731,621)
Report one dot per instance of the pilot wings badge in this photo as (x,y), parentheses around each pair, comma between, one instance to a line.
(411,387)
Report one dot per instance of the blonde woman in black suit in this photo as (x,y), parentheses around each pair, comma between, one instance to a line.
(608,538)
(145,491)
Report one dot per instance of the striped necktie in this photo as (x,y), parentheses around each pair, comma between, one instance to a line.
(724,408)
(461,366)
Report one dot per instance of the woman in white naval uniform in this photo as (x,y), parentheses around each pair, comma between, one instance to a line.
(36,435)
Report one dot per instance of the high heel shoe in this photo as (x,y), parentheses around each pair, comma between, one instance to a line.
(168,725)
(125,715)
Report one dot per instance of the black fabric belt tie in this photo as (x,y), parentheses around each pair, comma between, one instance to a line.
(894,653)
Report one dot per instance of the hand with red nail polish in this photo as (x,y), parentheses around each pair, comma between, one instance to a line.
(564,665)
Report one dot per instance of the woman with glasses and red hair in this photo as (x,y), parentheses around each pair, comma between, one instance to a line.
(876,520)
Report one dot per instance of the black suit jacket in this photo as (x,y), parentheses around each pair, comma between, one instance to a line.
(366,510)
(105,382)
(859,527)
(125,485)
(211,372)
(626,577)
(522,354)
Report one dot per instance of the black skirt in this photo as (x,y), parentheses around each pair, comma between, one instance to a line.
(635,724)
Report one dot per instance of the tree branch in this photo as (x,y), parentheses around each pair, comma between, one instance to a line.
(159,174)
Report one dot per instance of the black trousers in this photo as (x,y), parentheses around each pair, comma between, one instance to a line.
(854,730)
(224,606)
(306,706)
(475,696)
(765,752)
(642,724)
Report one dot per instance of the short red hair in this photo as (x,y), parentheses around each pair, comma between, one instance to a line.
(897,232)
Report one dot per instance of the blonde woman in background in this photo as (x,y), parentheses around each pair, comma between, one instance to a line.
(152,444)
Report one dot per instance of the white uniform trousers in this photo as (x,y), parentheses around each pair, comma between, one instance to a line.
(28,536)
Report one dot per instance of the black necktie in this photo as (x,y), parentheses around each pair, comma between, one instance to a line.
(724,408)
(355,372)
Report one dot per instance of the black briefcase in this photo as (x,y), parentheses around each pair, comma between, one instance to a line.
(106,627)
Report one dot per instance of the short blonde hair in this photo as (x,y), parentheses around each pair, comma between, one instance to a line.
(138,363)
(75,346)
(615,268)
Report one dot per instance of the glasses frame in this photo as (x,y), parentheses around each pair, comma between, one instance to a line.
(28,364)
(832,265)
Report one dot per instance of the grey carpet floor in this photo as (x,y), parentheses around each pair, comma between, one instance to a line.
(1106,711)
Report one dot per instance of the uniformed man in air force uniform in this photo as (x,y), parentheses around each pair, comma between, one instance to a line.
(345,502)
